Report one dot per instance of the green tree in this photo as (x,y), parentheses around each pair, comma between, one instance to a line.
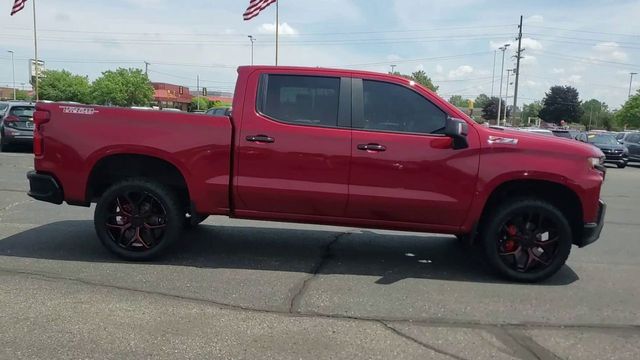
(531,110)
(490,110)
(629,114)
(420,77)
(22,95)
(61,85)
(594,113)
(458,101)
(481,101)
(122,87)
(200,102)
(561,103)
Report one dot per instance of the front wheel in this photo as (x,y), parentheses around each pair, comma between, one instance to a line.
(138,219)
(621,165)
(527,240)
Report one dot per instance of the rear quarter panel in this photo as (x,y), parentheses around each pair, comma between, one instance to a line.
(197,145)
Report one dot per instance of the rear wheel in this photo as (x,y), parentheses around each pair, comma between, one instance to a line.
(4,147)
(621,165)
(138,219)
(527,240)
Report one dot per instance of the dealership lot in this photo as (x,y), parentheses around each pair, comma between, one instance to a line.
(248,289)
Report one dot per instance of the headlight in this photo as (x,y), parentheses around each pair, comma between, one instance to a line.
(596,162)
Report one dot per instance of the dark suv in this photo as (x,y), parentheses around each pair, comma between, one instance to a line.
(632,142)
(16,125)
(614,152)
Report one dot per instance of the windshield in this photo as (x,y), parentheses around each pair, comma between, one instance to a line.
(602,139)
(23,111)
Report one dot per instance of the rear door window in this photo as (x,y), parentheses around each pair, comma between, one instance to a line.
(392,107)
(301,100)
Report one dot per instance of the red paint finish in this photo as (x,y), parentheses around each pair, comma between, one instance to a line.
(316,174)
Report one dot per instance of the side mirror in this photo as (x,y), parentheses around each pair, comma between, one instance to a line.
(457,130)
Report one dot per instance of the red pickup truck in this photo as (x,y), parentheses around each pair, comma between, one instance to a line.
(323,146)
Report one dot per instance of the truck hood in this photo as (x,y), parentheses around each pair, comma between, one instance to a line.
(544,144)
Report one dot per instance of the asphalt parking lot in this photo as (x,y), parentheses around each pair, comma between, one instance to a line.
(247,289)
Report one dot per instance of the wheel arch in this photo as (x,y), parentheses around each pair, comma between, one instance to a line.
(556,193)
(113,167)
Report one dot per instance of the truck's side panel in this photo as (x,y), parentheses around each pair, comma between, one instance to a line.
(197,145)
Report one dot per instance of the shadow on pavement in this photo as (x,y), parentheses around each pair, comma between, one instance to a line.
(389,257)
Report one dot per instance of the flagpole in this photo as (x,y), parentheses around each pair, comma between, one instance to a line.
(277,30)
(35,43)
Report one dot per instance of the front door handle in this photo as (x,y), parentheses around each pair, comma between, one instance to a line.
(372,147)
(260,138)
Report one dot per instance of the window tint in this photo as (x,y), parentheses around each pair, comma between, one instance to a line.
(304,100)
(634,138)
(393,107)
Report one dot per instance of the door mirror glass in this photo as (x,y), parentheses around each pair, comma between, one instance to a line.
(457,129)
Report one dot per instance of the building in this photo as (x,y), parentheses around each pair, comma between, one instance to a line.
(220,96)
(171,96)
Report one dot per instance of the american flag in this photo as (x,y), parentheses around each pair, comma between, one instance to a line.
(255,6)
(17,6)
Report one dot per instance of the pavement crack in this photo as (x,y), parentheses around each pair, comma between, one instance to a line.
(299,290)
(526,342)
(421,343)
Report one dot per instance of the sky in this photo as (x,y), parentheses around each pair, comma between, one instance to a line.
(591,45)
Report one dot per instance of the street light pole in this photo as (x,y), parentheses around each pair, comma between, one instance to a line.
(503,49)
(393,69)
(506,97)
(252,39)
(630,81)
(13,66)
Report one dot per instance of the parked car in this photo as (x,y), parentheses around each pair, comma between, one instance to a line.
(3,108)
(324,146)
(219,111)
(567,134)
(632,142)
(16,125)
(538,131)
(614,152)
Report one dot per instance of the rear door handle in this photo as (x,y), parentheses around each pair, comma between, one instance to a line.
(260,138)
(372,147)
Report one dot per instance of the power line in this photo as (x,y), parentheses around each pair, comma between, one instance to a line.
(584,31)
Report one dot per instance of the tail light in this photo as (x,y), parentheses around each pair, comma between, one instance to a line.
(11,120)
(40,117)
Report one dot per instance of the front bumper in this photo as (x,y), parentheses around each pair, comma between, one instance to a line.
(591,231)
(44,187)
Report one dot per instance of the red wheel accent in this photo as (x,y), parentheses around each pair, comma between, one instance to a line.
(137,221)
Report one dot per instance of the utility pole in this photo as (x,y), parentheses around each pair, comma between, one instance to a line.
(13,65)
(252,39)
(493,74)
(146,68)
(198,91)
(518,57)
(630,81)
(393,69)
(503,49)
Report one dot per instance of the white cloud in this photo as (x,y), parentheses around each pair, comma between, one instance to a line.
(393,57)
(460,71)
(531,44)
(439,69)
(574,79)
(557,71)
(534,19)
(419,67)
(285,29)
(609,51)
(528,60)
(527,43)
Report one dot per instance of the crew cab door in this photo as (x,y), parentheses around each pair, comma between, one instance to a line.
(402,168)
(294,145)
